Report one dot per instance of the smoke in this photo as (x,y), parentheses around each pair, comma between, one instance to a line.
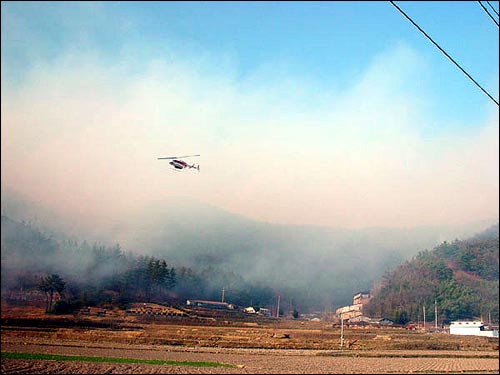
(82,131)
(82,135)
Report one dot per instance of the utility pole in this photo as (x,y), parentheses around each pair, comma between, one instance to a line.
(222,294)
(435,313)
(424,315)
(341,330)
(278,307)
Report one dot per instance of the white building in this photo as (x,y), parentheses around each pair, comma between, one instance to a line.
(475,328)
(351,311)
(356,309)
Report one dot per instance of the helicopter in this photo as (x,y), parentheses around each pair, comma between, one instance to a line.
(179,164)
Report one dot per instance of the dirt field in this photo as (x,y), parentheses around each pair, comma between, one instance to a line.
(254,346)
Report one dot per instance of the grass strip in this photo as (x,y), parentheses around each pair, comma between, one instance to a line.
(57,357)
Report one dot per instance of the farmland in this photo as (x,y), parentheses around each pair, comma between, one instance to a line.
(248,344)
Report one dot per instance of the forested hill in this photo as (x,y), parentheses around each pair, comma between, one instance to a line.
(460,277)
(95,275)
(316,268)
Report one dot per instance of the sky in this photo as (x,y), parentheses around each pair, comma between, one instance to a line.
(338,114)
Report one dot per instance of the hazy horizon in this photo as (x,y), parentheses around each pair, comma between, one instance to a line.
(288,259)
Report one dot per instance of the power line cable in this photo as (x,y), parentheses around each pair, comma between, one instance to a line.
(444,52)
(488,13)
(491,6)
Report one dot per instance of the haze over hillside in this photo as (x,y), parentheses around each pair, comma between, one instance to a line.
(317,267)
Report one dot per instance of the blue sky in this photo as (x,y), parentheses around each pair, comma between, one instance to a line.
(267,91)
(326,42)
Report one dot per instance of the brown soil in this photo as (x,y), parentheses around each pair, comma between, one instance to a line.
(255,345)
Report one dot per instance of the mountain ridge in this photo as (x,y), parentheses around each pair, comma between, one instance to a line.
(316,266)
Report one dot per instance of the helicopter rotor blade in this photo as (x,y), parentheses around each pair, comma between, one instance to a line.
(178,157)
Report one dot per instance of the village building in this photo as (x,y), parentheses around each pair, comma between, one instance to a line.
(249,310)
(361,298)
(356,309)
(265,312)
(474,328)
(349,312)
(209,304)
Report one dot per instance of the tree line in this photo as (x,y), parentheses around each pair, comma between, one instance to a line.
(73,274)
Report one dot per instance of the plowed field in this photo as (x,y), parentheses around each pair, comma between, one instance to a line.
(252,346)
